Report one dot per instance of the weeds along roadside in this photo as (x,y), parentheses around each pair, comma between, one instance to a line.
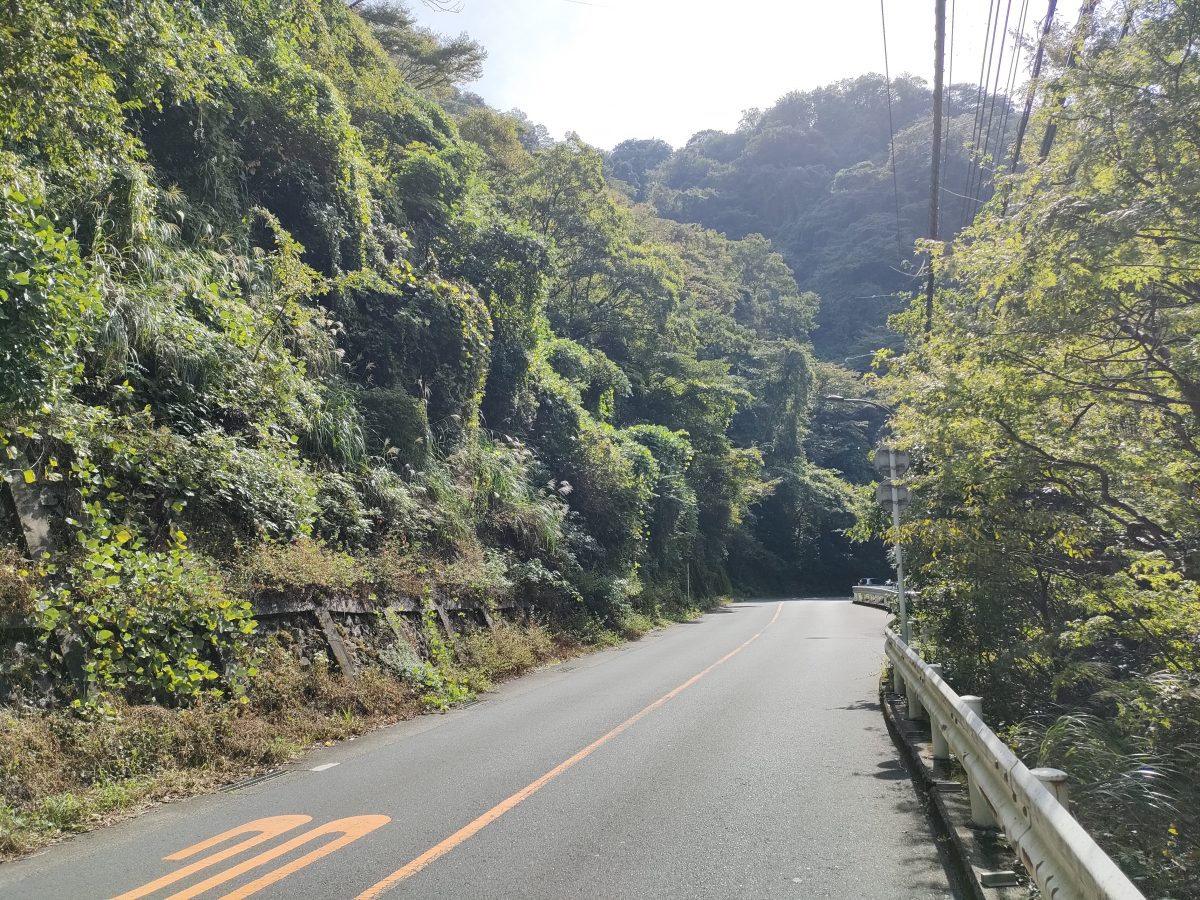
(65,771)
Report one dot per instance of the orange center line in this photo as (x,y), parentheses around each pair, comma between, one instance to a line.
(474,827)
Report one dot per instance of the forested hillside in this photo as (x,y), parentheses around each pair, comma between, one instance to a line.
(279,323)
(287,315)
(814,175)
(1051,404)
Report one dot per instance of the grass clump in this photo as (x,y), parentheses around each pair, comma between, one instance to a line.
(303,564)
(505,651)
(61,773)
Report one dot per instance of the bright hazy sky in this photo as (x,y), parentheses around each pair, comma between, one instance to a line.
(617,69)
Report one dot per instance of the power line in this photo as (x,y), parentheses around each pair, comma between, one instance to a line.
(991,156)
(975,184)
(1047,24)
(939,62)
(887,74)
(987,133)
(949,88)
(993,11)
(1018,51)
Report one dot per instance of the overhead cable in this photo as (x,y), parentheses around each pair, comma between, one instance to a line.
(1031,91)
(990,86)
(949,107)
(984,159)
(1081,31)
(993,14)
(939,62)
(887,75)
(1018,52)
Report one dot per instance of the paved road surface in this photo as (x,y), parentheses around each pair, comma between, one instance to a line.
(742,755)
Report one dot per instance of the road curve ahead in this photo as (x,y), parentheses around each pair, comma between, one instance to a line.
(739,756)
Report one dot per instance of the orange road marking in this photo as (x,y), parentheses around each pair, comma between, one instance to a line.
(350,829)
(474,827)
(260,829)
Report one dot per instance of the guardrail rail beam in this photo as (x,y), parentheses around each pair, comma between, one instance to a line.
(1029,806)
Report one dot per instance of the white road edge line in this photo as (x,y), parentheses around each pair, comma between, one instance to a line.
(323,767)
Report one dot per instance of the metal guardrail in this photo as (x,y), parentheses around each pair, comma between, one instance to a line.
(1028,805)
(878,595)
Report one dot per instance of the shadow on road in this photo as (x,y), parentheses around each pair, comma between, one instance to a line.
(857,705)
(891,770)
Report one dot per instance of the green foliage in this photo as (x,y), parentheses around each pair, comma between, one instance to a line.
(612,288)
(17,586)
(48,302)
(630,161)
(419,333)
(598,379)
(505,650)
(153,625)
(299,566)
(672,522)
(443,685)
(259,286)
(498,136)
(427,62)
(608,478)
(812,174)
(1052,411)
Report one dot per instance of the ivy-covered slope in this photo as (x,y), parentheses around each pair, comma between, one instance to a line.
(260,297)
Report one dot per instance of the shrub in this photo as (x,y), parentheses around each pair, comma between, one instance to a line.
(506,650)
(342,517)
(153,625)
(397,425)
(48,299)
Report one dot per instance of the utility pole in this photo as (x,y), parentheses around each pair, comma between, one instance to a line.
(1031,93)
(892,464)
(1077,46)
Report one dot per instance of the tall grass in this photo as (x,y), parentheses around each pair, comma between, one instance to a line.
(1135,777)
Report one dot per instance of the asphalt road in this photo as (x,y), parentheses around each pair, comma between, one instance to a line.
(743,755)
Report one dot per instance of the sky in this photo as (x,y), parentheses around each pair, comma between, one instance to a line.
(618,69)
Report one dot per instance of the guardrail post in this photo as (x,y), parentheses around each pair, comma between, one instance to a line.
(981,812)
(916,709)
(897,680)
(1055,781)
(941,747)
